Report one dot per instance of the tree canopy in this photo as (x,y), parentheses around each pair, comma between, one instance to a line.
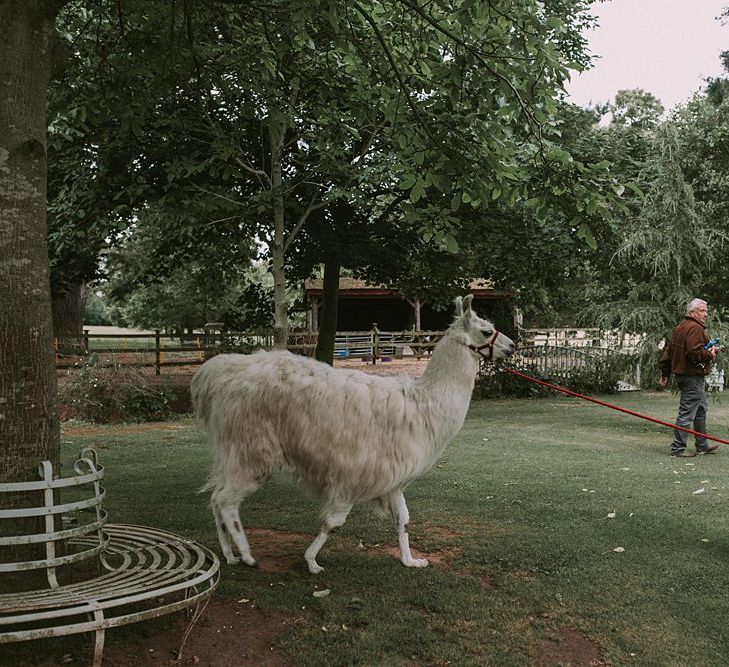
(421,119)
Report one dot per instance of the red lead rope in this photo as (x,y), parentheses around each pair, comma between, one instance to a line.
(614,407)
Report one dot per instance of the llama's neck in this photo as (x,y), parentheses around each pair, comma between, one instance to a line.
(446,386)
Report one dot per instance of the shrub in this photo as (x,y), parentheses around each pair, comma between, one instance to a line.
(113,394)
(494,382)
(593,374)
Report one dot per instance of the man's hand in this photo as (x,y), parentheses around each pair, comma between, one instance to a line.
(663,382)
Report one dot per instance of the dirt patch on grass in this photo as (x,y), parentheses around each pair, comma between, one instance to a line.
(278,551)
(441,559)
(227,635)
(408,365)
(442,533)
(123,429)
(281,551)
(569,647)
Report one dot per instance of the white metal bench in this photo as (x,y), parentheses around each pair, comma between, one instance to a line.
(146,572)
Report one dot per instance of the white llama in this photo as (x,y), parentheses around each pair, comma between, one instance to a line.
(349,436)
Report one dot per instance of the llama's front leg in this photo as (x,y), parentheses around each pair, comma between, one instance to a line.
(333,518)
(401,517)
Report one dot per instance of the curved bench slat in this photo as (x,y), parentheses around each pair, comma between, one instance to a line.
(134,582)
(146,572)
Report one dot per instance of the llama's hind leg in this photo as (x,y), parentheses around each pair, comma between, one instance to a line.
(334,516)
(226,545)
(225,504)
(401,517)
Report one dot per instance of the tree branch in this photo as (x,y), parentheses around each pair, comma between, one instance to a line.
(302,220)
(217,194)
(258,173)
(478,54)
(403,87)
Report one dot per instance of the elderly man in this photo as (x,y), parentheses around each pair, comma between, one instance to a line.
(689,359)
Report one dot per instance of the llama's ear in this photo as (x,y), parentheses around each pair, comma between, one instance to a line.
(459,306)
(467,302)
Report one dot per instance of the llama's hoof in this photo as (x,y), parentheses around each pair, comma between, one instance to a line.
(248,560)
(232,560)
(315,568)
(416,562)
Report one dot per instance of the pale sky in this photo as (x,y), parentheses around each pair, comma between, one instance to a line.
(665,47)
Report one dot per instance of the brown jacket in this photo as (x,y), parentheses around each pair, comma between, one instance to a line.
(685,353)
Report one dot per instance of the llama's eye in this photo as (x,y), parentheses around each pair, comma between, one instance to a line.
(487,332)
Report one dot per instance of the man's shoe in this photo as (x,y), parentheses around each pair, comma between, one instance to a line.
(708,449)
(683,454)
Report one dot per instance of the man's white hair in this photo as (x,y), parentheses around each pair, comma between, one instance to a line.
(694,305)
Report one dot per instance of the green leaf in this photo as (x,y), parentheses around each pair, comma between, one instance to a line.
(636,189)
(417,192)
(585,233)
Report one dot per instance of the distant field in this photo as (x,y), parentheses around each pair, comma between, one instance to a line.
(100,330)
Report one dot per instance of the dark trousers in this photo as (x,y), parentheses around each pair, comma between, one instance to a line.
(692,410)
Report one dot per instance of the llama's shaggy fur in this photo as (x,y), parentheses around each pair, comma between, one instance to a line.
(348,435)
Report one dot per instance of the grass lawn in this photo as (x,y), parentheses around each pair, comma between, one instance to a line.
(516,516)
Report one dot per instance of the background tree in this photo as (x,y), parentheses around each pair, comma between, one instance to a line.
(636,108)
(703,125)
(664,258)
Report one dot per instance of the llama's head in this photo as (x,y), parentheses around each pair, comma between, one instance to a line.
(479,335)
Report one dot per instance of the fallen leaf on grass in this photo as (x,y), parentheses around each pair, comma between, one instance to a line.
(321,594)
(611,515)
(698,491)
(704,539)
(619,550)
(243,600)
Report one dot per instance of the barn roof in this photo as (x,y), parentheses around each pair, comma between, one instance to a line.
(356,287)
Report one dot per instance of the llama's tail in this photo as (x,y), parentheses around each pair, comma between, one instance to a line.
(208,486)
(201,394)
(201,391)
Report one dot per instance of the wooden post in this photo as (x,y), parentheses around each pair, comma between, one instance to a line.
(157,352)
(375,343)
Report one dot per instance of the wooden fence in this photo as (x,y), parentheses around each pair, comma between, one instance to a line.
(160,350)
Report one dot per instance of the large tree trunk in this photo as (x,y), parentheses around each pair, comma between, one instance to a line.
(278,247)
(328,322)
(68,319)
(29,430)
